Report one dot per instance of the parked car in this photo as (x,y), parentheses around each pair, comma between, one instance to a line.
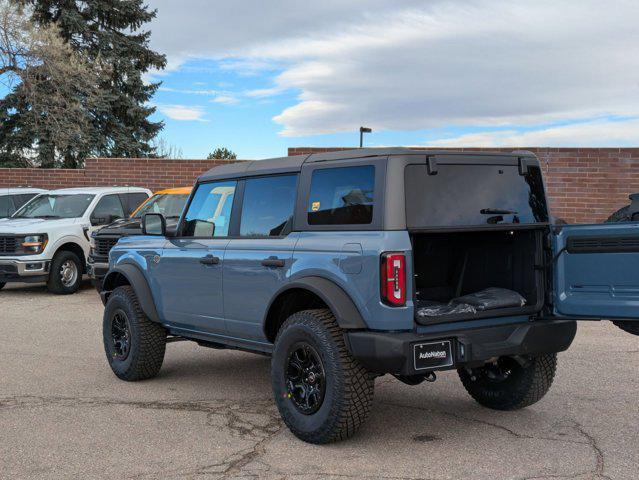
(169,203)
(348,265)
(11,199)
(48,238)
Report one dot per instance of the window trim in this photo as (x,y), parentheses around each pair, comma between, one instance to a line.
(300,219)
(180,228)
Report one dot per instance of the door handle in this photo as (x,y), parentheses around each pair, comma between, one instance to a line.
(273,262)
(210,260)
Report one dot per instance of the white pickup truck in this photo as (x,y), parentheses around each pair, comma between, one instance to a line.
(47,239)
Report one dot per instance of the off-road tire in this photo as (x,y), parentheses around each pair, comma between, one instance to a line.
(2,284)
(54,283)
(630,327)
(349,387)
(526,384)
(147,338)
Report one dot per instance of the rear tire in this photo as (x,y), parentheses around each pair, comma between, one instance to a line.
(2,284)
(630,327)
(322,393)
(508,385)
(65,273)
(134,345)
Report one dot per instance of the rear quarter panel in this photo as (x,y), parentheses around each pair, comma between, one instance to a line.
(337,256)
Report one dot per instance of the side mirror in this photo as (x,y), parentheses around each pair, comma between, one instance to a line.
(154,224)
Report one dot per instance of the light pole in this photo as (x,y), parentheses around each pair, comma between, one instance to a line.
(362,131)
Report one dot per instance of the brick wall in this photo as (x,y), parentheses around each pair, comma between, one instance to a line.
(584,184)
(155,174)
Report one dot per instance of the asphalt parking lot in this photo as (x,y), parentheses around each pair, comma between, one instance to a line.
(210,414)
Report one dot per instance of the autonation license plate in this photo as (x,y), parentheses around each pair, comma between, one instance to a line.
(433,355)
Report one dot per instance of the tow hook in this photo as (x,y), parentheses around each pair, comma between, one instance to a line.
(416,379)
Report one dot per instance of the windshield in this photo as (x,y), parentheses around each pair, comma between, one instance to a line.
(55,206)
(169,205)
(464,195)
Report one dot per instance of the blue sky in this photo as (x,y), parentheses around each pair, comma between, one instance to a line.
(258,77)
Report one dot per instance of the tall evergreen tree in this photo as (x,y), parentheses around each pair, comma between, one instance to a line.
(106,33)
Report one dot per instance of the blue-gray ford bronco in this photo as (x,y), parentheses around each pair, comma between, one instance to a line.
(346,266)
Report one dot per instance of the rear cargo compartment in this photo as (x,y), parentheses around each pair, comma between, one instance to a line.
(501,270)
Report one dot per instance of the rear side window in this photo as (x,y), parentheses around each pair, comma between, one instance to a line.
(342,196)
(209,213)
(267,206)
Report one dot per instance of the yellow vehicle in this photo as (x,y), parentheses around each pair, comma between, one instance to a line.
(168,202)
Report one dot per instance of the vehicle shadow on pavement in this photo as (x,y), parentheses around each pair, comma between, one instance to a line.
(226,369)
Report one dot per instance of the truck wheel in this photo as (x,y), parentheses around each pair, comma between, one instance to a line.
(508,384)
(134,345)
(322,393)
(65,274)
(630,327)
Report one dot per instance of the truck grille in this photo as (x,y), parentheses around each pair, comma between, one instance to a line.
(104,245)
(8,244)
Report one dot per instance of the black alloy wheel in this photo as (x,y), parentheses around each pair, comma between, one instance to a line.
(305,378)
(120,335)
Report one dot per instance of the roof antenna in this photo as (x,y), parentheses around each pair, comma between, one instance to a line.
(362,131)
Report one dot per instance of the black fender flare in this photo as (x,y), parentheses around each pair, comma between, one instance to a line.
(338,301)
(138,282)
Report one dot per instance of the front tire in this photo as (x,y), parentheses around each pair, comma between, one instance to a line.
(134,345)
(2,284)
(65,274)
(323,394)
(508,384)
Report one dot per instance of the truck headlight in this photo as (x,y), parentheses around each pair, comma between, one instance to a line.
(34,244)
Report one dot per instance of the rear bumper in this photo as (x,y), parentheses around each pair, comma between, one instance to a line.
(387,352)
(27,271)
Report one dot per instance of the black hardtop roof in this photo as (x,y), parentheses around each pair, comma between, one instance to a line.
(294,163)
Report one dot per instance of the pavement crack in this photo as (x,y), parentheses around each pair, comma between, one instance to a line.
(464,418)
(600,463)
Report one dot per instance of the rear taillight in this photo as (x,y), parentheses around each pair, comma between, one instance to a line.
(393,278)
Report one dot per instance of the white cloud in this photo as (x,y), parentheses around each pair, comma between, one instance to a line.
(189,91)
(226,99)
(417,65)
(183,113)
(599,133)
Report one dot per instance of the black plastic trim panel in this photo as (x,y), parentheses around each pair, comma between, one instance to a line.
(603,244)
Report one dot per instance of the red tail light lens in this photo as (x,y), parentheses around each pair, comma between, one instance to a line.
(393,278)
